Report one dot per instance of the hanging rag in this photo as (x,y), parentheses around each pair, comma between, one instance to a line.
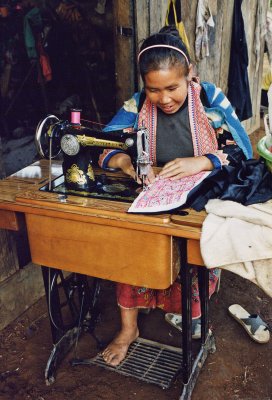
(32,25)
(268,36)
(173,17)
(204,20)
(260,31)
(244,236)
(45,62)
(238,84)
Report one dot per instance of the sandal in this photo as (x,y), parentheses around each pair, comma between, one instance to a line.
(256,328)
(176,321)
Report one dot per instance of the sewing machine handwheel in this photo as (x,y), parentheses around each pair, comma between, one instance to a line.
(42,138)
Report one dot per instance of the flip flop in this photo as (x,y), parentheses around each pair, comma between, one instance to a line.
(176,321)
(256,328)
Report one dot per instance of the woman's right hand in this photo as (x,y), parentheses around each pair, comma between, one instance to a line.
(123,161)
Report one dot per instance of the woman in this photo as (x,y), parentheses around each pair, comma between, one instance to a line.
(184,141)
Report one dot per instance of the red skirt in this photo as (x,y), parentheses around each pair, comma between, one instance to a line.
(168,299)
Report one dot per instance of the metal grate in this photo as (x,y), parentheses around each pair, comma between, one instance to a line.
(148,361)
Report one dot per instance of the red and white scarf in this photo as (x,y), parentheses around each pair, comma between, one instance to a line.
(203,135)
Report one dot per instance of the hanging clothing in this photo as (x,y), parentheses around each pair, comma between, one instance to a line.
(204,20)
(238,84)
(173,17)
(260,31)
(32,25)
(267,81)
(44,61)
(268,36)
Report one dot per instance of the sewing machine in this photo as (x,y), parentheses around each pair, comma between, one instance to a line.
(79,145)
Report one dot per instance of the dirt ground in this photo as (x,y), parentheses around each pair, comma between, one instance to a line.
(239,369)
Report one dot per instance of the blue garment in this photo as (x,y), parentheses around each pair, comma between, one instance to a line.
(219,106)
(32,24)
(238,84)
(248,182)
(125,119)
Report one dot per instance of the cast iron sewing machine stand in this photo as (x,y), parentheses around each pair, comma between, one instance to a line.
(84,313)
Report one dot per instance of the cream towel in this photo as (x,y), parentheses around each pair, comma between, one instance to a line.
(239,238)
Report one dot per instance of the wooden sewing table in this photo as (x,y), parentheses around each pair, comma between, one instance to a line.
(99,238)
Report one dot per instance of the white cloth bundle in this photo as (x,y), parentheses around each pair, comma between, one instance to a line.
(239,239)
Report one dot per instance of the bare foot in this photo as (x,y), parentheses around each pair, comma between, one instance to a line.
(117,349)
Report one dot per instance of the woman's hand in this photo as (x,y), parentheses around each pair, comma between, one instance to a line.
(150,178)
(123,161)
(182,167)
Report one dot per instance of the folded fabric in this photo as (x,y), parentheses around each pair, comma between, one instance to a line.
(244,236)
(248,182)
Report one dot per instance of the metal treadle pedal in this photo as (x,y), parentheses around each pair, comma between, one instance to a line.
(146,360)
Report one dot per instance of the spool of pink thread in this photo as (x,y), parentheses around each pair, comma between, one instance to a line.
(75,116)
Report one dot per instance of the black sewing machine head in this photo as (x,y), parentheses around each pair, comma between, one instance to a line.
(79,145)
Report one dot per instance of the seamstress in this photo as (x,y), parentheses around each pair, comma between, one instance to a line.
(182,141)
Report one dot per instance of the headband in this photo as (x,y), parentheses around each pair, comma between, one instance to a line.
(167,46)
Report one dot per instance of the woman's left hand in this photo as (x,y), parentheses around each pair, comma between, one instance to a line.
(182,167)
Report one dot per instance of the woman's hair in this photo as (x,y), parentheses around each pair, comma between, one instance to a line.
(158,58)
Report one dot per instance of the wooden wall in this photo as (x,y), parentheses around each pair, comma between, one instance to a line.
(124,51)
(150,17)
(19,287)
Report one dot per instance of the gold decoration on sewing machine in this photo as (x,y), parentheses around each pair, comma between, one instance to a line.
(91,141)
(75,175)
(90,172)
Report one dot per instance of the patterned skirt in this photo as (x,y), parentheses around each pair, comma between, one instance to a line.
(167,299)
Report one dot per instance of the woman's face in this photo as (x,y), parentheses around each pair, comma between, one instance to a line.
(167,88)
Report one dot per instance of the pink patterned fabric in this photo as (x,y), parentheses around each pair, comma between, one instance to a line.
(166,194)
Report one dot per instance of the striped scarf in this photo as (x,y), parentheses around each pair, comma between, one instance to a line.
(203,135)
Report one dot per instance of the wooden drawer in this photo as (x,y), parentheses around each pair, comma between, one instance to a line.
(119,254)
